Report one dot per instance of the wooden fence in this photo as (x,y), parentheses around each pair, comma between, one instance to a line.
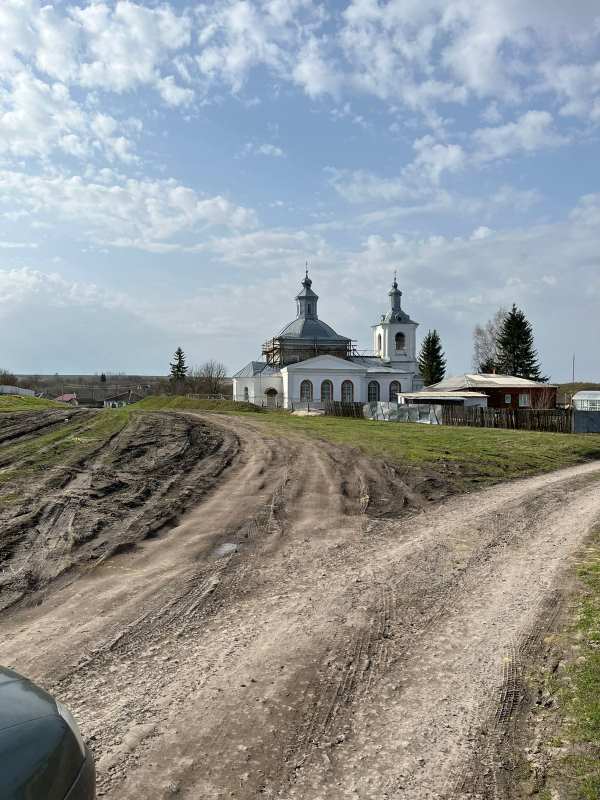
(553,420)
(336,409)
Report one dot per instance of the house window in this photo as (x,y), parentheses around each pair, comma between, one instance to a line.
(373,391)
(524,400)
(400,341)
(347,392)
(306,391)
(326,391)
(394,391)
(379,348)
(246,394)
(508,399)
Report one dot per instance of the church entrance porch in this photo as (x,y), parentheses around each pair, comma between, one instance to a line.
(272,395)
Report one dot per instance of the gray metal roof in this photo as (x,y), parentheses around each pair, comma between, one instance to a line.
(376,364)
(256,368)
(309,328)
(485,380)
(587,394)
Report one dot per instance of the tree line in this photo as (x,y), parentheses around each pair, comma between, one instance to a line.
(208,378)
(504,345)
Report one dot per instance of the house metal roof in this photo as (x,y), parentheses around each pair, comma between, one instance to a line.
(587,394)
(485,381)
(425,395)
(256,368)
(376,364)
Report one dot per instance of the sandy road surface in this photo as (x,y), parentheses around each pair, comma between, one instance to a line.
(280,642)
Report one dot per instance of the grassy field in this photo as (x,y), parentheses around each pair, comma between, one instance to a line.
(581,694)
(168,403)
(10,402)
(571,743)
(482,455)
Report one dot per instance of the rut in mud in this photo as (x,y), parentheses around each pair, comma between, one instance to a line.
(24,425)
(138,481)
(297,636)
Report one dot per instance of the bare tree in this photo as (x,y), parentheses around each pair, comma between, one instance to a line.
(544,398)
(8,378)
(485,342)
(207,378)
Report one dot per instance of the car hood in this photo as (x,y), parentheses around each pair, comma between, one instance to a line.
(21,701)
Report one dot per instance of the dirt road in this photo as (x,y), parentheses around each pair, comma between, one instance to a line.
(280,642)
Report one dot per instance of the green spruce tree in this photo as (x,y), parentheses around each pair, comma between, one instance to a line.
(516,352)
(432,361)
(178,367)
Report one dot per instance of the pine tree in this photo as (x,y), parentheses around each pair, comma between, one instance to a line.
(432,361)
(516,352)
(178,367)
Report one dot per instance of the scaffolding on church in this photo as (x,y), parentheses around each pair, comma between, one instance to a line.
(281,351)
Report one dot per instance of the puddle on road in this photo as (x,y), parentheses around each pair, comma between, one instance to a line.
(225,549)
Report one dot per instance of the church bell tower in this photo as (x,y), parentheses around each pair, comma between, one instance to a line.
(395,335)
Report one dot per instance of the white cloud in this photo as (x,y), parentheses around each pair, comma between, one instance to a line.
(482,232)
(532,131)
(23,284)
(265,149)
(577,86)
(417,180)
(37,118)
(172,93)
(274,247)
(237,36)
(313,72)
(363,186)
(127,44)
(434,158)
(136,213)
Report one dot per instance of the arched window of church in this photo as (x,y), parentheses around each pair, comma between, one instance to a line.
(246,394)
(394,391)
(373,391)
(379,343)
(306,391)
(326,391)
(400,341)
(347,392)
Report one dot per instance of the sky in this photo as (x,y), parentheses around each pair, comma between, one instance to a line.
(167,169)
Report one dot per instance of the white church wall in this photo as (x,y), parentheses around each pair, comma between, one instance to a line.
(387,332)
(257,387)
(316,377)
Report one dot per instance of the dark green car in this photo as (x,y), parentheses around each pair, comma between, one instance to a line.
(42,754)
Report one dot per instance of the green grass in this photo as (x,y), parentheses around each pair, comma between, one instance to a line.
(482,455)
(11,402)
(176,403)
(573,772)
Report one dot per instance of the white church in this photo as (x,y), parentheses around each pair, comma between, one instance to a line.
(308,363)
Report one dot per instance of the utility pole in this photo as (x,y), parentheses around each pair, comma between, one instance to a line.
(573,372)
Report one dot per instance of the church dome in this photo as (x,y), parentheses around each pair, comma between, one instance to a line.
(307,324)
(305,328)
(307,336)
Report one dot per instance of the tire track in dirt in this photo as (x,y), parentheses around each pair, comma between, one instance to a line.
(279,642)
(20,426)
(130,486)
